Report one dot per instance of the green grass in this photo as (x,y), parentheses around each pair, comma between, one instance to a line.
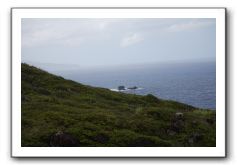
(100,117)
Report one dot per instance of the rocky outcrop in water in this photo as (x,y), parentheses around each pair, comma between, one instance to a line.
(121,88)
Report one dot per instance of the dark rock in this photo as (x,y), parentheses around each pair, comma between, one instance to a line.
(195,137)
(177,123)
(61,139)
(179,115)
(132,87)
(121,88)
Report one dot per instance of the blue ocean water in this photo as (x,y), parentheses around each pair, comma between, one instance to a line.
(190,83)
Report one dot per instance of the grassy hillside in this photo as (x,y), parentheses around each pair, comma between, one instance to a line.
(54,108)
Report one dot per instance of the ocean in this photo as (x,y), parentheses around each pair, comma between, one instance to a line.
(190,83)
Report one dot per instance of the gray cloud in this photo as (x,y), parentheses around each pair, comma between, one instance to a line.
(99,42)
(74,32)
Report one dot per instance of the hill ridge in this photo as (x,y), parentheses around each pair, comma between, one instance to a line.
(55,109)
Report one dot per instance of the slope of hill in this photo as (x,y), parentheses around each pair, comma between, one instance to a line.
(59,112)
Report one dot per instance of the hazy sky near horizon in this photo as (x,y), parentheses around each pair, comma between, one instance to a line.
(114,42)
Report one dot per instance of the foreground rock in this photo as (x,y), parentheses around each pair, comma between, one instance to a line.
(195,137)
(177,124)
(61,139)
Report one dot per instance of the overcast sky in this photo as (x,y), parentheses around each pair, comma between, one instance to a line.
(114,42)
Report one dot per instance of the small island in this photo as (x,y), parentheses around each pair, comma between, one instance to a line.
(134,87)
(122,88)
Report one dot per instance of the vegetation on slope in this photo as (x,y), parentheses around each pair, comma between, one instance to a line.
(93,116)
